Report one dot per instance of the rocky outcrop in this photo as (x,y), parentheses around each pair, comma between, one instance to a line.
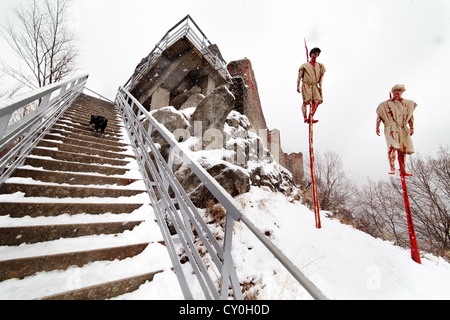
(183,97)
(171,119)
(226,130)
(241,162)
(245,90)
(211,114)
(234,180)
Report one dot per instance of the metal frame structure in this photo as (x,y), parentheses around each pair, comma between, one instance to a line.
(189,29)
(21,136)
(173,206)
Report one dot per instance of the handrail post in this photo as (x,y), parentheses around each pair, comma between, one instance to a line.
(226,263)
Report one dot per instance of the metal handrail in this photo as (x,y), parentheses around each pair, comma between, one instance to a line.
(186,27)
(171,203)
(99,95)
(18,138)
(181,212)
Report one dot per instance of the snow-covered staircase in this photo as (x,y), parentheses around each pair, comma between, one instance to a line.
(75,219)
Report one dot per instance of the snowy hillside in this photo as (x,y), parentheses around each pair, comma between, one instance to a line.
(343,262)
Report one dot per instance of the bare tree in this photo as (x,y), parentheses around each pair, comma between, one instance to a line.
(8,92)
(429,193)
(42,42)
(333,188)
(380,211)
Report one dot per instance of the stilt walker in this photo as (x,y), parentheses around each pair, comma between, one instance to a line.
(311,75)
(397,116)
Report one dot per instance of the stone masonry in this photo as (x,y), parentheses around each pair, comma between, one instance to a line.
(248,103)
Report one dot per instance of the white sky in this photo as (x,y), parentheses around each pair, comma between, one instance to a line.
(367,47)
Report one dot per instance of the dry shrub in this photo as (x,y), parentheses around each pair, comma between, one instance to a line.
(215,213)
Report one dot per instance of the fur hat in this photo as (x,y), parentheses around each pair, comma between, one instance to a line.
(398,87)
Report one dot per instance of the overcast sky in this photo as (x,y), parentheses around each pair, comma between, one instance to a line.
(367,47)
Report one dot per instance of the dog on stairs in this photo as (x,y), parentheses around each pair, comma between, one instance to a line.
(99,122)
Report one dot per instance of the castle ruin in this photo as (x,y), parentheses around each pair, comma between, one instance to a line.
(184,68)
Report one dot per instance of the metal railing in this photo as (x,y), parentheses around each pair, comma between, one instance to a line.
(189,29)
(173,206)
(19,136)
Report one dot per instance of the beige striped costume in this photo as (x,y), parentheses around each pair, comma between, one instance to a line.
(311,78)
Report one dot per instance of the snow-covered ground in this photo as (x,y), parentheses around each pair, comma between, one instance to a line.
(343,262)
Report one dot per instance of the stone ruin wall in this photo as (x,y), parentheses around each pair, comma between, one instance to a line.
(248,103)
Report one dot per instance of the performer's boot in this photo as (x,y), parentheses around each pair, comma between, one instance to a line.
(392,171)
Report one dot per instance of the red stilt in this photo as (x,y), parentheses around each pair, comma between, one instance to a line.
(313,174)
(412,234)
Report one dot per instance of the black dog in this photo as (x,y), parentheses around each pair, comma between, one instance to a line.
(100,122)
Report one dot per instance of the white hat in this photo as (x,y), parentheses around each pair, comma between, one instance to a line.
(398,87)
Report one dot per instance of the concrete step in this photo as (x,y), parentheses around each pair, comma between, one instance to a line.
(77,123)
(75,157)
(57,191)
(91,105)
(105,290)
(14,236)
(23,267)
(49,209)
(101,279)
(66,147)
(83,119)
(110,134)
(70,178)
(84,143)
(84,135)
(87,106)
(88,132)
(48,164)
(85,112)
